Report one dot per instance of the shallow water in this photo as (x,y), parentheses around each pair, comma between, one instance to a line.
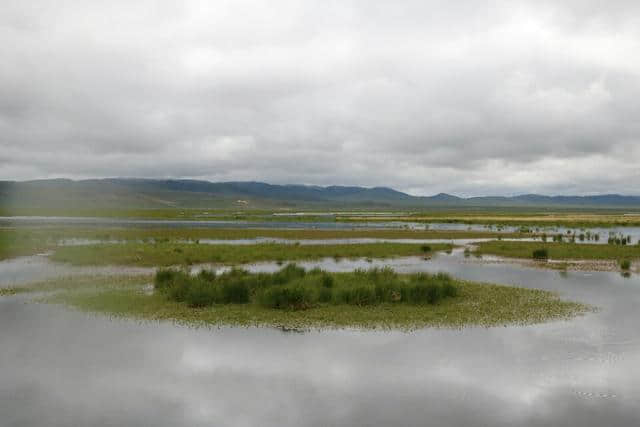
(21,270)
(62,368)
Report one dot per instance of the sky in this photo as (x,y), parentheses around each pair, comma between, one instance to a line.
(465,97)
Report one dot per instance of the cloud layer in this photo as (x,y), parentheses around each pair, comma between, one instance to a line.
(467,97)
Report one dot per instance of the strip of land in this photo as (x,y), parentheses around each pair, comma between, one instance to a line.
(559,251)
(115,233)
(167,254)
(571,220)
(23,241)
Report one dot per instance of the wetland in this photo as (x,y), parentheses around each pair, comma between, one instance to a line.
(513,344)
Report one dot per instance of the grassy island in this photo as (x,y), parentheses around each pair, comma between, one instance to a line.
(25,241)
(559,251)
(167,254)
(293,298)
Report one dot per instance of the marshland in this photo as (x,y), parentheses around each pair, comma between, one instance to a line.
(210,297)
(309,213)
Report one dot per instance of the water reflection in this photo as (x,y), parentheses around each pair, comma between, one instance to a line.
(61,368)
(21,270)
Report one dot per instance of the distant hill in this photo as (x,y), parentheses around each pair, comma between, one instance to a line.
(185,193)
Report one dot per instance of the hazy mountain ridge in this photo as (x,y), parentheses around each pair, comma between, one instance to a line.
(137,192)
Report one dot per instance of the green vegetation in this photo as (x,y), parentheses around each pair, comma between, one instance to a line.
(13,244)
(474,304)
(560,250)
(519,216)
(541,254)
(619,239)
(89,283)
(166,254)
(200,214)
(625,264)
(295,289)
(9,291)
(21,241)
(53,235)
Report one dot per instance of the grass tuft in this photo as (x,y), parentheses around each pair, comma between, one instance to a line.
(540,254)
(293,288)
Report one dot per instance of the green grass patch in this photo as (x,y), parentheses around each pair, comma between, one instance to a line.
(80,283)
(540,254)
(625,264)
(15,243)
(584,218)
(559,250)
(22,241)
(294,288)
(166,254)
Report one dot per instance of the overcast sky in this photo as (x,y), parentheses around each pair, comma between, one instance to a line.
(466,97)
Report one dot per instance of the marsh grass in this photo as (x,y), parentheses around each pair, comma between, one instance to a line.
(88,283)
(541,254)
(171,234)
(20,243)
(167,254)
(295,289)
(625,264)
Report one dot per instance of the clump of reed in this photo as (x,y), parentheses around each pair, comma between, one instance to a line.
(541,254)
(619,239)
(294,288)
(625,264)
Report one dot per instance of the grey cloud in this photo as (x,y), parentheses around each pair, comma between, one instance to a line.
(467,97)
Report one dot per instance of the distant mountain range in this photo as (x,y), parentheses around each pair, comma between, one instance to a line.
(151,193)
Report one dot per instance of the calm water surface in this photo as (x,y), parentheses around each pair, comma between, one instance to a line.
(63,368)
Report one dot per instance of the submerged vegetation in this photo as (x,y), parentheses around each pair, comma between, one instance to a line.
(167,254)
(293,288)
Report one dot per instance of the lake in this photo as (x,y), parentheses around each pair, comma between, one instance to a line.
(60,367)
